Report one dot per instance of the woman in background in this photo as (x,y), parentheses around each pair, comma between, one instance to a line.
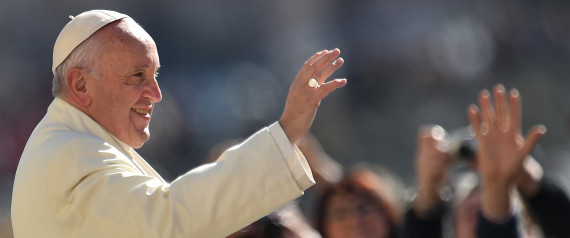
(360,205)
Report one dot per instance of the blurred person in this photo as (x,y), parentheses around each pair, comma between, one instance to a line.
(546,203)
(501,158)
(424,218)
(466,202)
(79,175)
(360,205)
(434,164)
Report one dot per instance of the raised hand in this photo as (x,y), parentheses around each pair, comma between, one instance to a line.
(502,148)
(303,100)
(431,166)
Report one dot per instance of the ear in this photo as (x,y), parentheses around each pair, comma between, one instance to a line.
(77,86)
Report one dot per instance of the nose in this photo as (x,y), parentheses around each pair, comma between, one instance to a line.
(152,91)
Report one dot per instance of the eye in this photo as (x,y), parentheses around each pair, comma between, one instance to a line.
(134,79)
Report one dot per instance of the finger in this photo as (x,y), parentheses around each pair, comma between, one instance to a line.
(316,63)
(315,57)
(432,142)
(324,60)
(428,136)
(437,138)
(330,86)
(473,115)
(424,132)
(306,70)
(487,112)
(432,132)
(501,107)
(329,69)
(532,138)
(515,110)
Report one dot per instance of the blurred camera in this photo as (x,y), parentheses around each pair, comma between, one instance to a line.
(461,143)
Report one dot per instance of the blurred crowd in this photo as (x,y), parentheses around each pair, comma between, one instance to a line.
(452,188)
(226,68)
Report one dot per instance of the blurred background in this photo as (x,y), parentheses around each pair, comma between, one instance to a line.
(227,67)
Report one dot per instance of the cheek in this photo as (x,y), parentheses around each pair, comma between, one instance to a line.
(109,103)
(378,224)
(114,105)
(102,101)
(335,230)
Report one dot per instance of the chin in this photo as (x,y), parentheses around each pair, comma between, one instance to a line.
(140,139)
(137,146)
(140,143)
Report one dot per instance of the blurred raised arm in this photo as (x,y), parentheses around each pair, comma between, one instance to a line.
(431,166)
(502,148)
(424,219)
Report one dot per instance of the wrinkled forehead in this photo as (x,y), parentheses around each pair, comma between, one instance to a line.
(124,29)
(124,46)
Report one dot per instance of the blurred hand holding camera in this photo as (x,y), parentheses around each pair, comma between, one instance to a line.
(432,161)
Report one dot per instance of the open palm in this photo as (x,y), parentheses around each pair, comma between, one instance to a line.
(502,148)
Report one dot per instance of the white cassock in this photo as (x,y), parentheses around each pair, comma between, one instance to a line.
(75,179)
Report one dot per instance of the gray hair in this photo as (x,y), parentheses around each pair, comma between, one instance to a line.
(81,57)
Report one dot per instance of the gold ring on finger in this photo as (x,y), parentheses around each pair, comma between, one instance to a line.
(313,83)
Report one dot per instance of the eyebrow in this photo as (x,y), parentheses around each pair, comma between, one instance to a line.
(144,67)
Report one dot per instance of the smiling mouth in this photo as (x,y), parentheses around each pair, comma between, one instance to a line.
(140,111)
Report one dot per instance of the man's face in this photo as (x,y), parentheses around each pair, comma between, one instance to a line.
(124,88)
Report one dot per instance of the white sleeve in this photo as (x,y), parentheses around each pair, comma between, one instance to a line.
(293,157)
(105,197)
(249,181)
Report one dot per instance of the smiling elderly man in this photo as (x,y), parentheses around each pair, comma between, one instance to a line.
(79,175)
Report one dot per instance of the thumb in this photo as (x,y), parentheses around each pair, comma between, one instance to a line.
(330,86)
(532,138)
(432,133)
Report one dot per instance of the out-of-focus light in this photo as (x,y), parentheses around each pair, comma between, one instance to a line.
(461,49)
(554,18)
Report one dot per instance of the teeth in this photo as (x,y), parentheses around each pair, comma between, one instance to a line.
(141,111)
